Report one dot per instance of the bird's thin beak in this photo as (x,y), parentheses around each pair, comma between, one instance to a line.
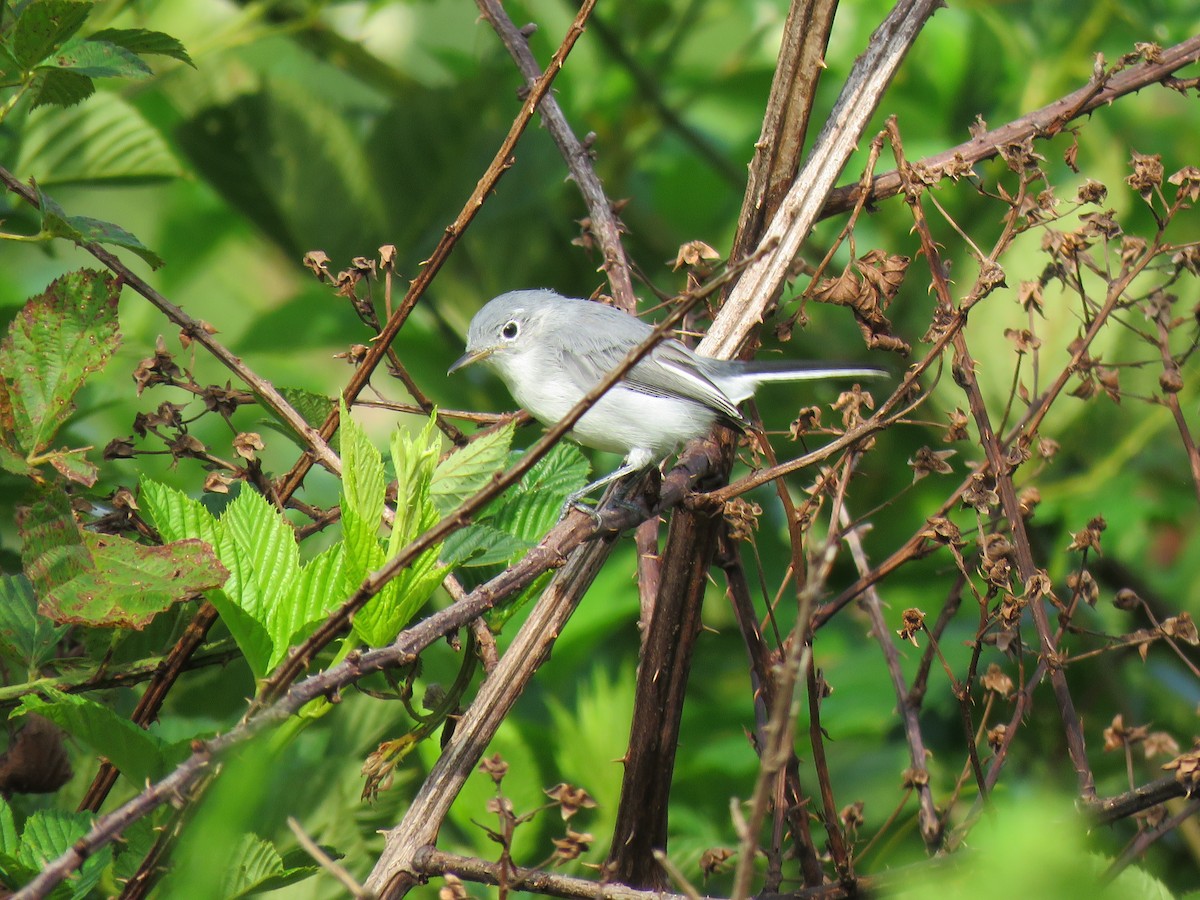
(471,356)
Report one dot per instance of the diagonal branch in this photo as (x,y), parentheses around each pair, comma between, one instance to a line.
(1045,122)
(757,289)
(605,226)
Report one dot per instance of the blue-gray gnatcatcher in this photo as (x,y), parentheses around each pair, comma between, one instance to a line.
(551,350)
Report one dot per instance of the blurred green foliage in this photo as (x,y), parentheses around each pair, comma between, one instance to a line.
(344,126)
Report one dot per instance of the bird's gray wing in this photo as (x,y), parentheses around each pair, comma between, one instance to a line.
(669,371)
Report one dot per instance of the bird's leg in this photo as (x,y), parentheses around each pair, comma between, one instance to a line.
(637,460)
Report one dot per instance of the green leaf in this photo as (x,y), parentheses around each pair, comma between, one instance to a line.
(481,544)
(535,506)
(314,408)
(59,87)
(269,598)
(105,580)
(362,504)
(98,59)
(43,27)
(29,638)
(105,141)
(252,863)
(56,341)
(82,230)
(468,470)
(49,833)
(139,754)
(256,867)
(72,465)
(414,460)
(317,591)
(177,516)
(144,42)
(8,830)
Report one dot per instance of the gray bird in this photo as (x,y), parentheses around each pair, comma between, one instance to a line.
(551,350)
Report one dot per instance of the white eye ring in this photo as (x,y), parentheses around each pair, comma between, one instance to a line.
(510,331)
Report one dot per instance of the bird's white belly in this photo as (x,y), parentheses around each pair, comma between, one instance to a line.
(622,419)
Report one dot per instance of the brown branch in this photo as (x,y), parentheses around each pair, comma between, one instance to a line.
(794,802)
(641,824)
(1044,122)
(1106,810)
(790,225)
(1171,399)
(604,223)
(1002,470)
(906,703)
(429,861)
(785,122)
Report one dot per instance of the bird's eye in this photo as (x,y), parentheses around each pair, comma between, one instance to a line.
(509,331)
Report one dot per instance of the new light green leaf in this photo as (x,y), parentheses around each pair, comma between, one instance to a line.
(269,598)
(176,516)
(414,460)
(468,469)
(57,340)
(363,492)
(316,592)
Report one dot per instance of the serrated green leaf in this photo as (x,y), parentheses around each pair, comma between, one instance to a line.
(177,516)
(139,754)
(314,408)
(535,506)
(269,547)
(98,59)
(59,87)
(269,597)
(481,545)
(56,341)
(362,504)
(49,833)
(144,42)
(53,551)
(29,638)
(82,230)
(414,460)
(105,141)
(317,591)
(44,26)
(253,862)
(468,470)
(363,485)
